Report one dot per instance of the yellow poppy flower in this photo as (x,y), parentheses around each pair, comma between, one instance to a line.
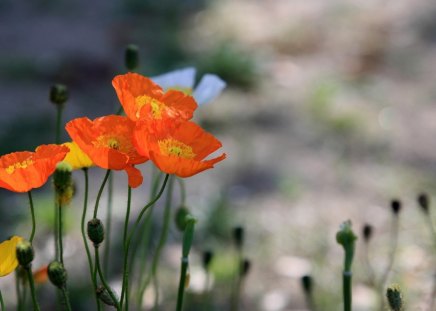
(8,257)
(76,157)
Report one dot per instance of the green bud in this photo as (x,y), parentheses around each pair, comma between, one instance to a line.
(307,284)
(394,297)
(58,94)
(25,253)
(188,235)
(131,57)
(180,217)
(95,231)
(57,274)
(63,182)
(238,236)
(347,239)
(105,297)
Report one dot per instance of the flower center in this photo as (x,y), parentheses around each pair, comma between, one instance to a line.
(172,147)
(155,105)
(19,165)
(108,141)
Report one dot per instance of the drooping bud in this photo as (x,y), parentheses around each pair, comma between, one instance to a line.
(307,284)
(396,206)
(207,259)
(95,231)
(367,232)
(105,297)
(180,217)
(63,183)
(58,94)
(57,274)
(25,253)
(424,202)
(395,297)
(238,236)
(346,237)
(131,57)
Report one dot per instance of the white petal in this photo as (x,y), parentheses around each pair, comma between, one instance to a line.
(180,78)
(208,88)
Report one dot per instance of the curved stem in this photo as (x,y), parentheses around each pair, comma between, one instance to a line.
(126,226)
(32,289)
(103,280)
(60,232)
(32,234)
(2,304)
(108,226)
(85,241)
(97,201)
(132,232)
(182,282)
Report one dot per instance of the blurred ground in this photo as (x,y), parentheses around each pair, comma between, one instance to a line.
(329,114)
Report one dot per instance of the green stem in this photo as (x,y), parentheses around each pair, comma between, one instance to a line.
(103,280)
(66,298)
(2,304)
(18,291)
(144,239)
(60,232)
(132,232)
(32,212)
(32,288)
(346,278)
(162,239)
(58,123)
(182,190)
(56,229)
(182,282)
(126,226)
(85,241)
(97,201)
(107,243)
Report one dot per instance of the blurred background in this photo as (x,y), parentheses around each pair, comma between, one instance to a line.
(328,115)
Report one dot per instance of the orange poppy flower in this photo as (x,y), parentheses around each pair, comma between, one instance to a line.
(23,171)
(181,150)
(108,143)
(142,99)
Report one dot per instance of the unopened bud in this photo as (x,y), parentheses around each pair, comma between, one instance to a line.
(207,259)
(346,237)
(58,94)
(95,231)
(396,206)
(25,253)
(424,202)
(131,57)
(63,182)
(57,274)
(306,283)
(367,232)
(394,297)
(238,236)
(180,217)
(105,297)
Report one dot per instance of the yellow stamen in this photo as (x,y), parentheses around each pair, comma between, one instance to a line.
(156,105)
(172,147)
(24,164)
(107,141)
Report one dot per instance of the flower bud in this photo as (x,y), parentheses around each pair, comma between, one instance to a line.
(131,57)
(394,297)
(306,283)
(238,236)
(346,237)
(105,297)
(367,232)
(58,94)
(180,217)
(207,259)
(95,231)
(63,182)
(423,202)
(57,274)
(25,253)
(396,206)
